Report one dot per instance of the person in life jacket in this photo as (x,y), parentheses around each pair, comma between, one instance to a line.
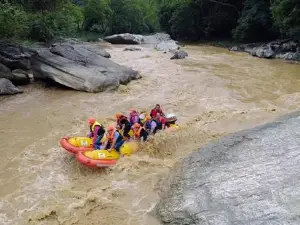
(142,117)
(97,131)
(134,117)
(156,110)
(124,124)
(139,132)
(114,139)
(160,123)
(149,124)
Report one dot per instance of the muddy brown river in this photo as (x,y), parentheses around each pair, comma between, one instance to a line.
(214,93)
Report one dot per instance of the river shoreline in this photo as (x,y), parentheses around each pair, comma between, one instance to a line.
(73,51)
(213,92)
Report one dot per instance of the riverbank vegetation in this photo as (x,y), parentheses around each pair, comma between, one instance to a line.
(242,20)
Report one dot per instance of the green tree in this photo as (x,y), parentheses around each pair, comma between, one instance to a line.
(97,15)
(286,14)
(13,21)
(193,19)
(63,22)
(255,24)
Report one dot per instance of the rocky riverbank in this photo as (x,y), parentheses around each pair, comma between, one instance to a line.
(251,177)
(75,64)
(282,49)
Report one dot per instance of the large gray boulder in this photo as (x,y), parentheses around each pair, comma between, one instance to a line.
(160,41)
(7,87)
(124,39)
(251,177)
(263,52)
(80,68)
(167,46)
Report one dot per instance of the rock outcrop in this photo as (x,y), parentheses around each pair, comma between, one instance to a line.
(160,41)
(251,177)
(7,87)
(179,55)
(15,56)
(80,68)
(78,43)
(167,46)
(124,39)
(285,49)
(70,63)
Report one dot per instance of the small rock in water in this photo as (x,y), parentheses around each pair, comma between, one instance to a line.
(179,55)
(7,87)
(132,49)
(236,49)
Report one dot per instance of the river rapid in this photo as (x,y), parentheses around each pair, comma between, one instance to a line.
(214,93)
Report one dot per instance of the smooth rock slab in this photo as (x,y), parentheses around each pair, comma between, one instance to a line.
(249,178)
(160,41)
(125,38)
(79,68)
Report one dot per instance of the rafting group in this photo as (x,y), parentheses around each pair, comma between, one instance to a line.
(104,145)
(137,126)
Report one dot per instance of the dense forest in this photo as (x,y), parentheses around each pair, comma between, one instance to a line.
(240,20)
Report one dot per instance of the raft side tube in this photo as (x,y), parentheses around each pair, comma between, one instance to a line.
(64,142)
(94,163)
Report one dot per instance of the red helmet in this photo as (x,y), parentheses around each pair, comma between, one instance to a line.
(92,120)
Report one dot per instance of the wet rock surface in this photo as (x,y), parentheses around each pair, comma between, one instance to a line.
(160,41)
(80,68)
(7,87)
(180,55)
(251,177)
(284,49)
(132,49)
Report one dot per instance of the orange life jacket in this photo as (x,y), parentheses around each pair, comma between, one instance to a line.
(137,133)
(110,136)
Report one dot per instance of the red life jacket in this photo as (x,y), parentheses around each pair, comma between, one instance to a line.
(154,112)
